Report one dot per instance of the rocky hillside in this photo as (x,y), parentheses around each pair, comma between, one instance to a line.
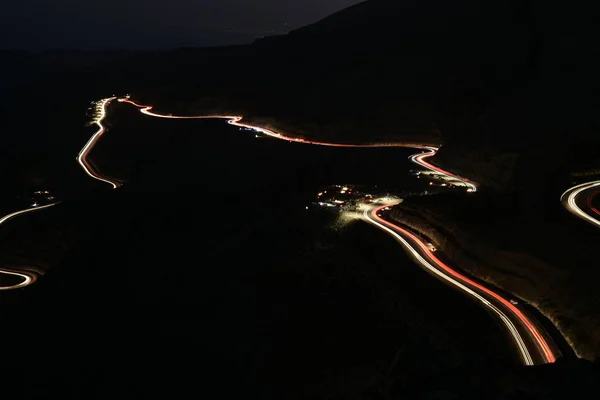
(544,259)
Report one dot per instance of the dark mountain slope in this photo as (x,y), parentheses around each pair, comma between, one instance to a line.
(482,74)
(492,80)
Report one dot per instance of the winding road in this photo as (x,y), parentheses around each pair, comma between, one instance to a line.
(28,277)
(429,151)
(82,157)
(534,344)
(579,200)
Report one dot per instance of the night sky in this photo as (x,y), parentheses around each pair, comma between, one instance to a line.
(153,24)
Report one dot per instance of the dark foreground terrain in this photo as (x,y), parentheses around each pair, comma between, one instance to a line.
(206,271)
(205,275)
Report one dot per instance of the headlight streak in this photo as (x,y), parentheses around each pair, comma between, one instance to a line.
(448,274)
(83,154)
(235,120)
(28,277)
(571,204)
(419,159)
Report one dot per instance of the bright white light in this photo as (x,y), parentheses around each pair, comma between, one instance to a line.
(571,204)
(83,154)
(445,273)
(28,277)
(451,277)
(420,160)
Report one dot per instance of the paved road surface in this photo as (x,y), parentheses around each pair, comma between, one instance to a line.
(28,277)
(534,345)
(420,158)
(579,200)
(82,158)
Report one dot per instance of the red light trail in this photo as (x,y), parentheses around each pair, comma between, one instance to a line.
(507,312)
(464,283)
(236,121)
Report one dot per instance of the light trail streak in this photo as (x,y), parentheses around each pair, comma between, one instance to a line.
(436,266)
(470,287)
(569,200)
(419,159)
(28,277)
(590,203)
(83,154)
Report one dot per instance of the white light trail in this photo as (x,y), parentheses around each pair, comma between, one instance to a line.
(420,160)
(442,271)
(235,120)
(571,204)
(28,277)
(83,154)
(458,280)
(27,210)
